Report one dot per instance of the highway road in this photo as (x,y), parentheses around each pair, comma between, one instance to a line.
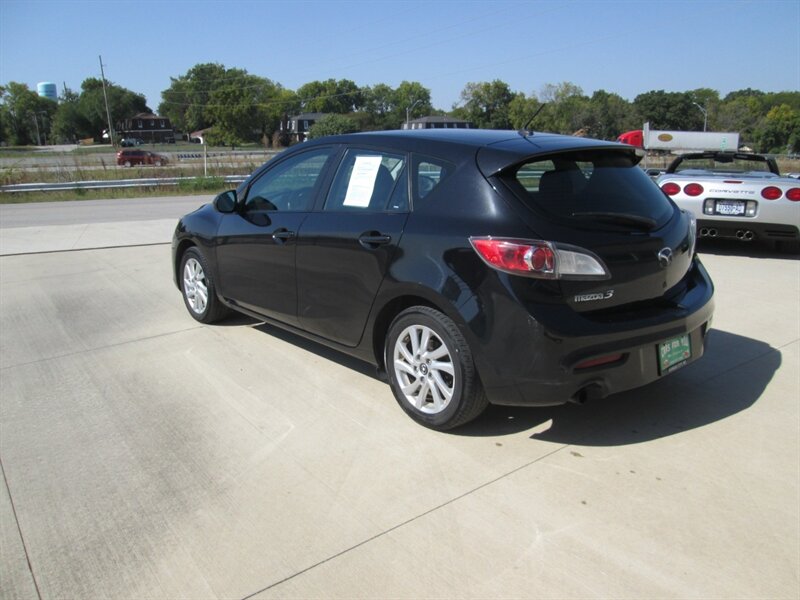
(147,456)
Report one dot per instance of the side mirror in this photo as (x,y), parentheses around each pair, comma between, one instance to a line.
(226,201)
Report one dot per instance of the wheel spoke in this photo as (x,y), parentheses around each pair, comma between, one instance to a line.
(403,366)
(435,395)
(437,353)
(439,384)
(412,334)
(425,339)
(422,395)
(446,367)
(412,387)
(402,349)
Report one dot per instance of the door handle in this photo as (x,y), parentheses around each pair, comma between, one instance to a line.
(282,235)
(373,239)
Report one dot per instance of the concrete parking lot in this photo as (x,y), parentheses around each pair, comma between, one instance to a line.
(147,456)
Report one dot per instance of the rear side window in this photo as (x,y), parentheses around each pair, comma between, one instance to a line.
(369,181)
(428,174)
(590,185)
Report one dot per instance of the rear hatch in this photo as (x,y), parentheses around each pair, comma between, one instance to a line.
(598,201)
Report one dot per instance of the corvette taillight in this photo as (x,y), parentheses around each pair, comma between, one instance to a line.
(693,189)
(771,193)
(539,259)
(793,194)
(670,188)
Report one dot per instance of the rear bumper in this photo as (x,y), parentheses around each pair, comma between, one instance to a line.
(746,230)
(540,365)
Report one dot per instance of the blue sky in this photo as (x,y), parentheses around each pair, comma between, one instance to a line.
(627,47)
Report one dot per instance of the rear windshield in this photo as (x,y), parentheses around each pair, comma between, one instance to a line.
(722,164)
(591,185)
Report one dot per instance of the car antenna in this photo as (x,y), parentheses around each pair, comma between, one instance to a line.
(525,132)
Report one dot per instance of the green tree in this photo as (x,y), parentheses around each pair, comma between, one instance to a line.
(186,100)
(486,104)
(25,116)
(668,110)
(610,115)
(122,104)
(245,107)
(781,130)
(520,111)
(331,124)
(567,108)
(340,96)
(69,123)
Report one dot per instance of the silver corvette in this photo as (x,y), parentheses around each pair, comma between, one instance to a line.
(736,195)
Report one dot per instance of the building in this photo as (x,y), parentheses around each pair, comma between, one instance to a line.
(437,122)
(297,127)
(147,127)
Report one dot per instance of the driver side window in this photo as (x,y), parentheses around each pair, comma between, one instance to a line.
(289,187)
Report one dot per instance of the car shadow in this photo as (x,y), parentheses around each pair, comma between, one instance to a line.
(320,350)
(726,247)
(730,378)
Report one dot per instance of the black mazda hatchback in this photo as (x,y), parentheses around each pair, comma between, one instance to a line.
(471,266)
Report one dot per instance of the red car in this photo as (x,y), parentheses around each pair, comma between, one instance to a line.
(128,158)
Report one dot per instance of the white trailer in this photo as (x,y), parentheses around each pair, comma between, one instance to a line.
(689,141)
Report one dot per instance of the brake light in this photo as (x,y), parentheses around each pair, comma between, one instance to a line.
(596,362)
(670,188)
(793,194)
(693,189)
(539,259)
(771,193)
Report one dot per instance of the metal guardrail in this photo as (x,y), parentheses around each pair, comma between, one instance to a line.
(109,184)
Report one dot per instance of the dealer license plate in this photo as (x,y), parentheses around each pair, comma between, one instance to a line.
(731,208)
(673,354)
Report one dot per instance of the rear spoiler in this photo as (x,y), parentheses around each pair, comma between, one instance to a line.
(495,158)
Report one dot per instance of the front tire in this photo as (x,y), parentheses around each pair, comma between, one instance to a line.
(198,288)
(431,371)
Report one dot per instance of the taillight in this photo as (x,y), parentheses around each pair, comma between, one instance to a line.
(670,188)
(793,194)
(693,189)
(540,259)
(596,362)
(771,193)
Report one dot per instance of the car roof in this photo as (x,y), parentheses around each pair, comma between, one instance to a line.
(496,149)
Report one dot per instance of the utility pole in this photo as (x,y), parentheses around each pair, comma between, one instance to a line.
(409,109)
(38,137)
(705,115)
(105,95)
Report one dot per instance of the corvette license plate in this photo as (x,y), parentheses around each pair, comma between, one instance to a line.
(673,354)
(731,208)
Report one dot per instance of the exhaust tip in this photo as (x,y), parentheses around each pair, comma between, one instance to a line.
(593,391)
(712,233)
(703,231)
(748,235)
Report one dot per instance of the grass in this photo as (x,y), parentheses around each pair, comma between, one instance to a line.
(203,186)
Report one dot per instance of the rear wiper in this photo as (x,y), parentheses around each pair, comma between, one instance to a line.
(623,218)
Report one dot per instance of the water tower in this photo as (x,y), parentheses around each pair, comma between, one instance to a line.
(47,89)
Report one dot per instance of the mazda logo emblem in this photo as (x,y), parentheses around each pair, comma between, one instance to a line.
(665,258)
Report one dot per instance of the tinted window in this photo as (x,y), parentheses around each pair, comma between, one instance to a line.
(574,184)
(290,185)
(429,173)
(369,181)
(723,164)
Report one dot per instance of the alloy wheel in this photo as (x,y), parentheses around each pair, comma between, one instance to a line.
(195,287)
(424,369)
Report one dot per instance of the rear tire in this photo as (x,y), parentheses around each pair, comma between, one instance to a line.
(198,288)
(431,371)
(127,163)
